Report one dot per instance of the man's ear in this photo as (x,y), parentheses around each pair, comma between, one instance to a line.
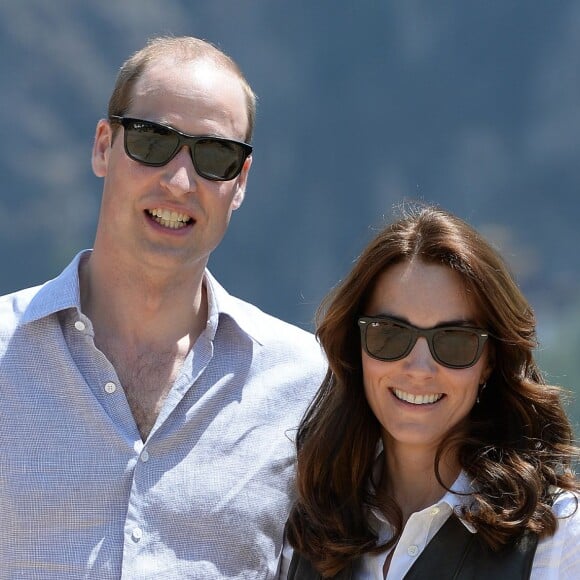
(238,198)
(241,184)
(101,148)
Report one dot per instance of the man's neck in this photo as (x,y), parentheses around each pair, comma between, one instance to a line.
(141,309)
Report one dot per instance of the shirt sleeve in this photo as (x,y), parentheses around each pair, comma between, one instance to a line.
(558,557)
(285,560)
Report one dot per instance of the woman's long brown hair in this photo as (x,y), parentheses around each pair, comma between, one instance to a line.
(519,440)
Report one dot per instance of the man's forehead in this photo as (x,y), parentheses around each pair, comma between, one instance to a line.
(200,87)
(198,68)
(188,78)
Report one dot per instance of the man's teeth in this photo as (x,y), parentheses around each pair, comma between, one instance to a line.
(417,399)
(169,219)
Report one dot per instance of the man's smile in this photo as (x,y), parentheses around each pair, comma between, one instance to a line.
(169,219)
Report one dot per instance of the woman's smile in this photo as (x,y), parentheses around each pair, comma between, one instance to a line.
(427,399)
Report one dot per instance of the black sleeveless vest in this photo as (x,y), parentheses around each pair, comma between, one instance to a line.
(454,553)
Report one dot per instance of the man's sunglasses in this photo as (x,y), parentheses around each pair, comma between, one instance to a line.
(154,144)
(389,339)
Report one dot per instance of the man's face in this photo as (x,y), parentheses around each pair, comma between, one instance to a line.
(169,217)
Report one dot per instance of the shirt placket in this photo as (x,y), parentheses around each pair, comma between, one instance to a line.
(413,540)
(140,557)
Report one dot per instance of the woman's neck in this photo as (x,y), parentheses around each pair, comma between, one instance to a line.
(409,477)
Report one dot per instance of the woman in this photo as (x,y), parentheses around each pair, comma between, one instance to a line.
(434,448)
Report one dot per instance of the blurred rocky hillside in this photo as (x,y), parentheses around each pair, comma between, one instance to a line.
(475,106)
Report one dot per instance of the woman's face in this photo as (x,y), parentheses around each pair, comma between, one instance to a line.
(416,399)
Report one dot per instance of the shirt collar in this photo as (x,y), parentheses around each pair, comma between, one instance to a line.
(63,292)
(248,318)
(458,496)
(57,294)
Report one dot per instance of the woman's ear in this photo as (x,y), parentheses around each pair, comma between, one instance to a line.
(489,366)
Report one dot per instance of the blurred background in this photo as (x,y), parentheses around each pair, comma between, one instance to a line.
(472,105)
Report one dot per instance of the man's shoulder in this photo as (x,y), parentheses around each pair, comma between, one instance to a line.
(261,326)
(268,326)
(292,350)
(13,311)
(14,305)
(37,302)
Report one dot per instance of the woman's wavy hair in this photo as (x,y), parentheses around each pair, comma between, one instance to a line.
(518,440)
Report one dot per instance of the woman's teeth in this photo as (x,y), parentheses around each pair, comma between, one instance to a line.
(417,399)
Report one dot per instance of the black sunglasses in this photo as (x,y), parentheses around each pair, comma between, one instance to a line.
(154,144)
(389,339)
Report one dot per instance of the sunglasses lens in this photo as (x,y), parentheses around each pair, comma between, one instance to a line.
(150,144)
(455,347)
(153,144)
(387,341)
(218,159)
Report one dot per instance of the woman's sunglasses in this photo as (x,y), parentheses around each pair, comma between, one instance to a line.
(154,144)
(389,339)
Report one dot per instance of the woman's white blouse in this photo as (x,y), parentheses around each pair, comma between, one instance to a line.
(556,558)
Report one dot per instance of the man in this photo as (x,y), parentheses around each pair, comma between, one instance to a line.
(147,416)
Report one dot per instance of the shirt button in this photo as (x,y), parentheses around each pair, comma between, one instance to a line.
(137,534)
(79,325)
(412,550)
(144,455)
(110,388)
(435,511)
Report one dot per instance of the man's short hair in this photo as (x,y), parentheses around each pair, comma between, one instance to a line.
(182,49)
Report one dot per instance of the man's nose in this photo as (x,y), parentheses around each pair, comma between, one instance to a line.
(179,175)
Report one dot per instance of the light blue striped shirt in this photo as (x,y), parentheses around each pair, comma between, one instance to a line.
(206,496)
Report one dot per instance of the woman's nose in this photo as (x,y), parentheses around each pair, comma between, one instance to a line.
(420,358)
